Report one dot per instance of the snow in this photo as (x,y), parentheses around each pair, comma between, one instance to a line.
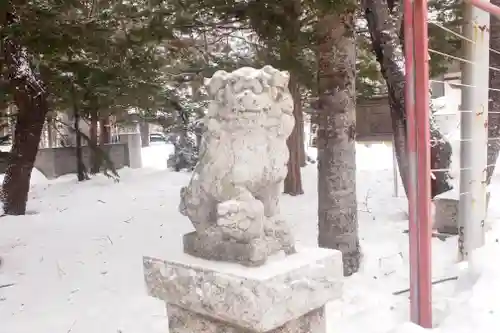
(76,259)
(23,70)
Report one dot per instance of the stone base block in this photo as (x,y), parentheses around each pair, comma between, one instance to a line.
(446,211)
(284,295)
(249,254)
(184,321)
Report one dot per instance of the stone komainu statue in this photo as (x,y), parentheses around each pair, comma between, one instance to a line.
(233,196)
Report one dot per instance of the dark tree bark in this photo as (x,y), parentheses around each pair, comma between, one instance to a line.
(144,129)
(337,203)
(30,96)
(105,133)
(95,158)
(81,171)
(494,105)
(302,146)
(384,23)
(50,132)
(293,180)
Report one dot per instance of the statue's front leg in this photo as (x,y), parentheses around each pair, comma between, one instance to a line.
(270,197)
(275,226)
(199,208)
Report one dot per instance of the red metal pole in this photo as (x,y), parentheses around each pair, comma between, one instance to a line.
(423,163)
(412,157)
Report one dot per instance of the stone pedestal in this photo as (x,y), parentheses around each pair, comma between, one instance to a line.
(134,146)
(446,211)
(286,295)
(184,321)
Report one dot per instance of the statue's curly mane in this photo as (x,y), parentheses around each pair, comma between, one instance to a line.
(267,85)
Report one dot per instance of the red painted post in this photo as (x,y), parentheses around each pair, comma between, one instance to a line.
(412,157)
(423,163)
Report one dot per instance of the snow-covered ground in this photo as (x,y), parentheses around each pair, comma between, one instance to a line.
(76,259)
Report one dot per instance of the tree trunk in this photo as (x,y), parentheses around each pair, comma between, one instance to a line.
(293,180)
(50,132)
(302,145)
(337,204)
(94,123)
(105,132)
(81,172)
(494,105)
(30,97)
(144,129)
(384,24)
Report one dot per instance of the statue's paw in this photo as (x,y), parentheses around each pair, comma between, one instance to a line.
(278,229)
(242,221)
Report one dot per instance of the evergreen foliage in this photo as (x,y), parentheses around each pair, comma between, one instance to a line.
(144,54)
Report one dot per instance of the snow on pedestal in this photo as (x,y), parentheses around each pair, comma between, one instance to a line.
(233,202)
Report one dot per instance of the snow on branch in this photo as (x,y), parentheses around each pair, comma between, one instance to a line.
(20,67)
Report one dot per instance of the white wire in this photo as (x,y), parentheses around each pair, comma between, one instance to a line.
(443,170)
(460,84)
(464,140)
(458,34)
(459,59)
